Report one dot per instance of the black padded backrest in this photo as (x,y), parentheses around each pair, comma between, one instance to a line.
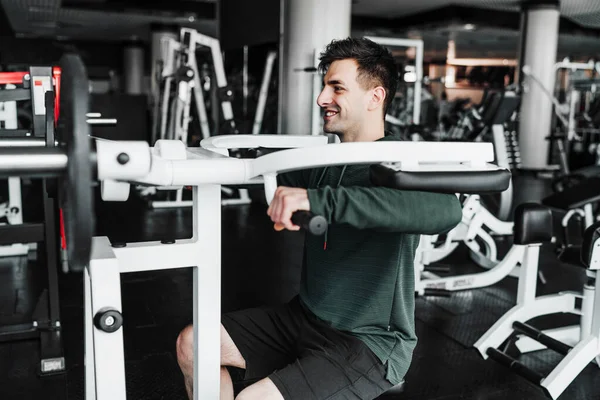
(533,224)
(591,234)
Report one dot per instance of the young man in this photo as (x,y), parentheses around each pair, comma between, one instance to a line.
(350,332)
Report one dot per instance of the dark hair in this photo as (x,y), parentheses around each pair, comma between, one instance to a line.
(376,65)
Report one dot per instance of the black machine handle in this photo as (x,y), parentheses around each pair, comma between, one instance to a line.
(315,224)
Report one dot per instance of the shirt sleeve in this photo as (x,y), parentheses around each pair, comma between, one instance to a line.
(386,209)
(298,178)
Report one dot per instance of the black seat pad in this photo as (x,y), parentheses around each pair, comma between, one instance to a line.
(576,196)
(533,224)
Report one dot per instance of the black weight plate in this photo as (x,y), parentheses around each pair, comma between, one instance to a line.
(76,184)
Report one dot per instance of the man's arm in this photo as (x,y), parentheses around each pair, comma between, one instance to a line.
(386,209)
(297,178)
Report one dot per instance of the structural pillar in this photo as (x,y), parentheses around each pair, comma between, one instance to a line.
(133,69)
(538,53)
(306,27)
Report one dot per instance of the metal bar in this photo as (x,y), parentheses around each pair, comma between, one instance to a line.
(264,90)
(539,336)
(32,161)
(14,95)
(22,142)
(22,233)
(101,121)
(516,366)
(26,331)
(12,77)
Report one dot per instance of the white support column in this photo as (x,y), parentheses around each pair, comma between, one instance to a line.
(541,39)
(207,292)
(104,292)
(306,25)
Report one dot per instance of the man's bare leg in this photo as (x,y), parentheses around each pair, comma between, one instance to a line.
(230,356)
(264,389)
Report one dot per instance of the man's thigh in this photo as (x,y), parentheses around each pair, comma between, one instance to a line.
(266,338)
(346,370)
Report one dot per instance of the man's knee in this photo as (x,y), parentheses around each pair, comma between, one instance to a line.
(185,344)
(230,355)
(264,389)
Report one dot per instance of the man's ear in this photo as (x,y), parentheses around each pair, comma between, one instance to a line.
(377,98)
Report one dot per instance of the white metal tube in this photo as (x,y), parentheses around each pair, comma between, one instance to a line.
(264,89)
(587,310)
(265,140)
(105,292)
(480,279)
(122,160)
(528,273)
(374,152)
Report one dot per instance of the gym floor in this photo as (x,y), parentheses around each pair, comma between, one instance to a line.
(261,266)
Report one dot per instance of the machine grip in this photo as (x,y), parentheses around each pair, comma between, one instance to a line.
(315,224)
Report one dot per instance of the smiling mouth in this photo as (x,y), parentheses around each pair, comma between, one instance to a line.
(329,114)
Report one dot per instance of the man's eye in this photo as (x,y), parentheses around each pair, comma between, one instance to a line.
(338,89)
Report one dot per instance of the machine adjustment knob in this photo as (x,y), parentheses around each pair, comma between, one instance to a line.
(108,320)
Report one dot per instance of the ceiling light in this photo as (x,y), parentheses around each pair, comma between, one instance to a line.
(469,27)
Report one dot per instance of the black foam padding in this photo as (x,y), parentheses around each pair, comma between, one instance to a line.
(591,234)
(465,182)
(576,196)
(533,224)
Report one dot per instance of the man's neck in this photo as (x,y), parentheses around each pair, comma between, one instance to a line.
(369,132)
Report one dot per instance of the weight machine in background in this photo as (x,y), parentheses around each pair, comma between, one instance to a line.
(37,85)
(12,208)
(181,85)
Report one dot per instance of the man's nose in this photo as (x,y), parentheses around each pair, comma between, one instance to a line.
(324,98)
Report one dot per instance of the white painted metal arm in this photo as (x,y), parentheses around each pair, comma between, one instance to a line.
(269,141)
(203,167)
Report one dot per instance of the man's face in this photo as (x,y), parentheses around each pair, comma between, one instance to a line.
(343,99)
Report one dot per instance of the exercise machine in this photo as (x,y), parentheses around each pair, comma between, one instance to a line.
(12,209)
(511,335)
(39,85)
(180,81)
(117,165)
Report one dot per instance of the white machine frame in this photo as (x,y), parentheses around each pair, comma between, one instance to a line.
(206,168)
(585,337)
(417,44)
(471,231)
(176,127)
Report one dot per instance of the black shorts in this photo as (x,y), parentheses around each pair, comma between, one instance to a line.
(304,356)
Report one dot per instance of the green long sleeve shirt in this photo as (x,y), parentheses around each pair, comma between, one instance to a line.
(359,276)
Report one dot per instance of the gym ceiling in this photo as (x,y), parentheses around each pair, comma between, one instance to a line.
(480,28)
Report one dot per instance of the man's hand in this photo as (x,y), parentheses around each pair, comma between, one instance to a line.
(286,201)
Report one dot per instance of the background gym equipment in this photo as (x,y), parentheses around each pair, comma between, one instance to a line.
(512,335)
(37,88)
